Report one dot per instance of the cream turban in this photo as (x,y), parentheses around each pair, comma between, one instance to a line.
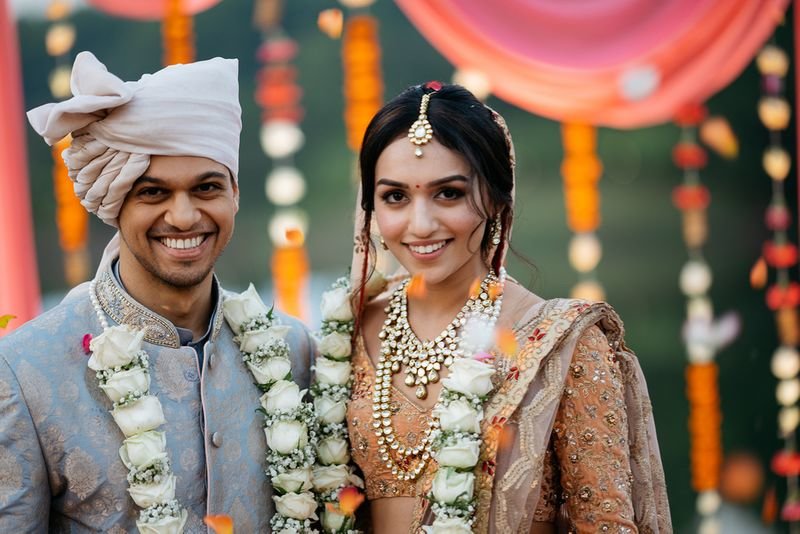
(182,110)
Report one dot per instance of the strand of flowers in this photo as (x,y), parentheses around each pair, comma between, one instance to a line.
(289,422)
(122,371)
(331,391)
(456,441)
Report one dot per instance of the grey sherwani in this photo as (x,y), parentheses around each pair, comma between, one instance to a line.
(59,463)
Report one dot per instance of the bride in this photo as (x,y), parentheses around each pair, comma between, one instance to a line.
(561,438)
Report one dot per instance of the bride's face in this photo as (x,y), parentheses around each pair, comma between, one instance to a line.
(426,212)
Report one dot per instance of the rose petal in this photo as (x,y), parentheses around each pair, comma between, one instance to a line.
(221,524)
(350,499)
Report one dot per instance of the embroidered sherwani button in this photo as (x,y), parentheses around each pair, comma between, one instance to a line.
(212,359)
(216,439)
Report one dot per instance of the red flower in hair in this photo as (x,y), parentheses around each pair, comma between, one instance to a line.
(433,84)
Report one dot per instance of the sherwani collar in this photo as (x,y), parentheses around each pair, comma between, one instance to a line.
(124,309)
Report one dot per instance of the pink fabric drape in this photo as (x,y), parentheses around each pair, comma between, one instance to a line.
(19,283)
(619,63)
(148,9)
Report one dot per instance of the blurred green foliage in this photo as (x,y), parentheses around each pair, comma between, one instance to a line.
(641,231)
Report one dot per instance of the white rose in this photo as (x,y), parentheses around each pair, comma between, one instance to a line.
(145,495)
(271,369)
(333,451)
(144,414)
(376,283)
(453,525)
(330,477)
(335,345)
(296,505)
(450,485)
(283,396)
(240,309)
(124,382)
(143,448)
(336,306)
(332,372)
(115,347)
(329,411)
(470,377)
(459,416)
(333,521)
(463,454)
(293,481)
(285,436)
(252,339)
(166,525)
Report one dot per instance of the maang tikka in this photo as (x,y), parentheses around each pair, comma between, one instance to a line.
(421,132)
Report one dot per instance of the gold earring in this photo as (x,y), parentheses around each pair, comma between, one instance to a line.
(383,244)
(497,230)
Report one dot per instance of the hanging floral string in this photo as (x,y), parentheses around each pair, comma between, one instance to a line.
(581,171)
(363,81)
(780,254)
(177,33)
(279,95)
(703,336)
(72,220)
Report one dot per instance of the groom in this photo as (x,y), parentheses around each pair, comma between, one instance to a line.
(157,159)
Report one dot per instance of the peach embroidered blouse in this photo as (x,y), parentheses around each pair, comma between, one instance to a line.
(586,473)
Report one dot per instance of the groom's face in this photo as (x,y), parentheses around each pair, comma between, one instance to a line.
(178,218)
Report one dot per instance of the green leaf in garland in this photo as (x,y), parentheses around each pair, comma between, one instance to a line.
(5,319)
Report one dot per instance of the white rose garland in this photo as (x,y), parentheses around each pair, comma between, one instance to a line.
(290,426)
(122,371)
(333,379)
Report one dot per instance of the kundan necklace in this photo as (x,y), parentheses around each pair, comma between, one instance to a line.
(423,360)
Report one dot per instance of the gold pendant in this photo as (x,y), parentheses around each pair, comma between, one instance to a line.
(409,380)
(422,392)
(433,376)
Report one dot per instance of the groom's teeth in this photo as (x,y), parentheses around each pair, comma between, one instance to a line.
(427,249)
(182,243)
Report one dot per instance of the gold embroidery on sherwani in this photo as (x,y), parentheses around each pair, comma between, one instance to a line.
(10,475)
(169,373)
(81,472)
(40,399)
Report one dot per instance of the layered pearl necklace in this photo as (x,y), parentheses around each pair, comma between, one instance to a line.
(423,360)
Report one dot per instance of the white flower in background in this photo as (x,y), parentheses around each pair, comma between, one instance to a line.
(125,382)
(293,481)
(335,345)
(270,369)
(285,436)
(459,416)
(239,309)
(142,449)
(327,478)
(140,416)
(333,451)
(145,495)
(332,372)
(463,454)
(330,411)
(283,396)
(453,525)
(296,505)
(115,347)
(252,339)
(470,377)
(450,485)
(336,306)
(165,525)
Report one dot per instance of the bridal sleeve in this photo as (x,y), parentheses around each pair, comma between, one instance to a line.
(590,441)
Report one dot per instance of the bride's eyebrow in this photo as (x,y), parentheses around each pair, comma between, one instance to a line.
(434,183)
